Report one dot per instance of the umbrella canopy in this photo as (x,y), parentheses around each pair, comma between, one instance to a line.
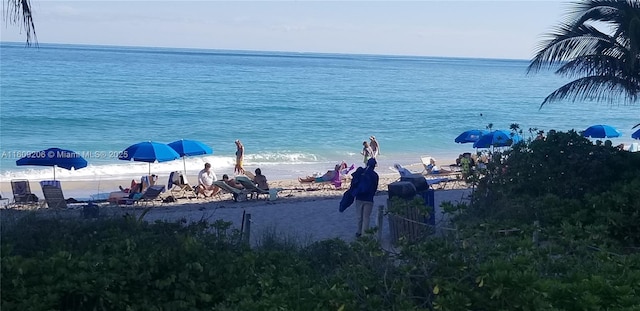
(187,147)
(54,157)
(601,131)
(636,134)
(149,152)
(498,138)
(470,136)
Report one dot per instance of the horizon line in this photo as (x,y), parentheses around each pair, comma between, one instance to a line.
(37,44)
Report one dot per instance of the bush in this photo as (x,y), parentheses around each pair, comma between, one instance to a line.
(545,231)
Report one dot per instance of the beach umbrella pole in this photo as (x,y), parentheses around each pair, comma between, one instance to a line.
(184,165)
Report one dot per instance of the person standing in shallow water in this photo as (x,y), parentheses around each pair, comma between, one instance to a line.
(375,147)
(366,151)
(367,186)
(239,157)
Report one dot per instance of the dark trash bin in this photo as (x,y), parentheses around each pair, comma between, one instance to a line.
(418,181)
(402,189)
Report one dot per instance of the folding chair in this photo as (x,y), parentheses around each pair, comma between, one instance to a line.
(179,186)
(151,195)
(22,193)
(53,196)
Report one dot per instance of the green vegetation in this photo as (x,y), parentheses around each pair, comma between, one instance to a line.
(553,225)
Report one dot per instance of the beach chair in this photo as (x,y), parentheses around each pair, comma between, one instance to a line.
(53,196)
(150,195)
(55,183)
(238,194)
(429,164)
(179,186)
(22,193)
(148,181)
(426,163)
(250,186)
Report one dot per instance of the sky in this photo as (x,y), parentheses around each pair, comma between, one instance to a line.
(479,29)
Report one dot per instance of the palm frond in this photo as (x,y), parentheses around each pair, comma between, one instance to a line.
(598,45)
(599,88)
(567,43)
(20,12)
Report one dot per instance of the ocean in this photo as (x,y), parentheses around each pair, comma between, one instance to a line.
(296,113)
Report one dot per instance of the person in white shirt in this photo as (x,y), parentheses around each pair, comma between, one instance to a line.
(206,177)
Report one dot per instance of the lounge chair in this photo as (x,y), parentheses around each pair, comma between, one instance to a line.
(22,193)
(428,166)
(334,183)
(433,182)
(439,172)
(148,181)
(238,194)
(55,183)
(179,186)
(250,186)
(151,195)
(53,196)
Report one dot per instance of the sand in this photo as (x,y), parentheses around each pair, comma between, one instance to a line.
(300,212)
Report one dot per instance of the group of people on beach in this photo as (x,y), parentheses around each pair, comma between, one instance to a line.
(370,149)
(364,183)
(207,177)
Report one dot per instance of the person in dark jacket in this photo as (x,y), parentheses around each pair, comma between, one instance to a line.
(364,193)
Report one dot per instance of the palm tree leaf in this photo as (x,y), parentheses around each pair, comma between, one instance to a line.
(598,45)
(20,12)
(566,43)
(599,88)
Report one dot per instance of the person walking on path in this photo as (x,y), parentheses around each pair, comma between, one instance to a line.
(364,193)
(239,157)
(375,147)
(366,151)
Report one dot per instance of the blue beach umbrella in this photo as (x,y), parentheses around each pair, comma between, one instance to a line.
(601,131)
(187,147)
(636,134)
(470,136)
(54,157)
(149,152)
(499,138)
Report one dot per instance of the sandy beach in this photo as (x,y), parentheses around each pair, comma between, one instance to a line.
(100,188)
(301,211)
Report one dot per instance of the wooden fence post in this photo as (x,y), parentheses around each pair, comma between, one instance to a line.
(247,228)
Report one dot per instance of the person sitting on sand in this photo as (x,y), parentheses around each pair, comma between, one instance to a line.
(231,182)
(329,175)
(206,177)
(260,180)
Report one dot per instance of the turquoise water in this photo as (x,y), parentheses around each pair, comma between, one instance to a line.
(296,113)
